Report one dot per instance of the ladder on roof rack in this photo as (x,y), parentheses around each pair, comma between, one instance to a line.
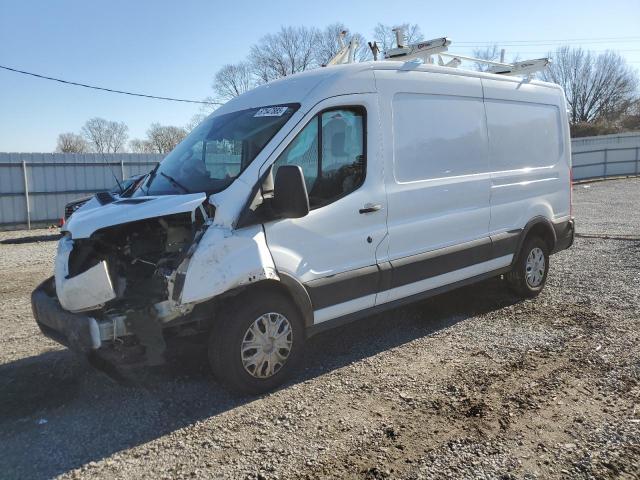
(347,53)
(525,67)
(426,50)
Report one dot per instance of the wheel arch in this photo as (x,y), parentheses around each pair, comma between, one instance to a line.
(287,285)
(537,226)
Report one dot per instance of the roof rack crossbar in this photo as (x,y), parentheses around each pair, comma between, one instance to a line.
(478,60)
(425,51)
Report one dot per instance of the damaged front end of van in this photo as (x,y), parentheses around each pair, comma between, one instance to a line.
(125,273)
(137,268)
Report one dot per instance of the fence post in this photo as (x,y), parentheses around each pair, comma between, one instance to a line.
(605,162)
(122,168)
(637,159)
(26,193)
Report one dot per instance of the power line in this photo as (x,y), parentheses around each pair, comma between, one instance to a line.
(543,41)
(464,45)
(561,44)
(572,44)
(515,49)
(111,90)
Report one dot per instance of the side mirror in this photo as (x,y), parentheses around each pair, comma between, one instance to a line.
(290,199)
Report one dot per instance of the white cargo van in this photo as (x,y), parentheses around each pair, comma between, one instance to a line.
(314,200)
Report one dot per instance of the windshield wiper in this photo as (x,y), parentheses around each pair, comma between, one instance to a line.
(152,175)
(175,182)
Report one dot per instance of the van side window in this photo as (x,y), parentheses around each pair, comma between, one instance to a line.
(303,151)
(437,136)
(523,135)
(330,150)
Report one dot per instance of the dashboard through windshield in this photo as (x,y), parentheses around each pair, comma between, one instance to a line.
(217,151)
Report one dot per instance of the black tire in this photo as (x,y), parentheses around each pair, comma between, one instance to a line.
(517,278)
(229,331)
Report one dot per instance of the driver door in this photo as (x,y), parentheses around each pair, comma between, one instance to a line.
(332,250)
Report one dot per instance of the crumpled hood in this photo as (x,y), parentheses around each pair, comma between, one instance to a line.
(93,216)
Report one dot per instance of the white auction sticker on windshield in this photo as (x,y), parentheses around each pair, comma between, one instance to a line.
(271,112)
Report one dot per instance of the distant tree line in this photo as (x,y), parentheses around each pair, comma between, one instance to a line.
(98,135)
(601,89)
(290,50)
(296,49)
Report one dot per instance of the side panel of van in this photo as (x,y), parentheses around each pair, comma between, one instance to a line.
(437,178)
(528,155)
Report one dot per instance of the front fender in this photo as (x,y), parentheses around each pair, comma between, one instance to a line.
(226,259)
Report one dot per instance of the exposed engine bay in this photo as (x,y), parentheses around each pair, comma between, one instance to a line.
(142,260)
(141,256)
(138,271)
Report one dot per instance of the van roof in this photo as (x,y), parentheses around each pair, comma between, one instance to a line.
(313,85)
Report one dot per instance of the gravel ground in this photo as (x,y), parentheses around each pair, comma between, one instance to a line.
(607,207)
(471,384)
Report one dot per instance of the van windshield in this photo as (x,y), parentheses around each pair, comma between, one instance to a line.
(217,151)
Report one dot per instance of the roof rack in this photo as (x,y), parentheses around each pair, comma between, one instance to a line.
(425,51)
(526,67)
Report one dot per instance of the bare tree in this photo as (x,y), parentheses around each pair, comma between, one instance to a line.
(140,146)
(95,131)
(631,121)
(328,45)
(289,51)
(71,143)
(117,136)
(195,121)
(491,54)
(233,80)
(385,37)
(597,87)
(105,136)
(163,139)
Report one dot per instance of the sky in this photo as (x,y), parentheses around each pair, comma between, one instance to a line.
(171,48)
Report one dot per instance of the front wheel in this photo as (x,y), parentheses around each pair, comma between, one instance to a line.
(529,274)
(257,342)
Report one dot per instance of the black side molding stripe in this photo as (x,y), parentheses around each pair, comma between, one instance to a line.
(320,327)
(384,279)
(505,243)
(360,282)
(412,269)
(343,287)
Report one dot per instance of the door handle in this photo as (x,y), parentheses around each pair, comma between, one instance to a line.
(370,208)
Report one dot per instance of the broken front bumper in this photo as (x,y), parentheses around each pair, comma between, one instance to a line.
(88,290)
(78,331)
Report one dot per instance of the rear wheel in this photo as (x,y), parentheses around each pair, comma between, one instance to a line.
(529,274)
(257,343)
